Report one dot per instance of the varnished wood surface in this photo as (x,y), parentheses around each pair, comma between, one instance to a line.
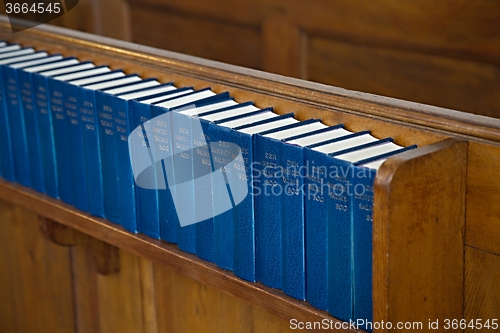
(406,122)
(145,248)
(482,294)
(442,53)
(418,241)
(50,284)
(310,94)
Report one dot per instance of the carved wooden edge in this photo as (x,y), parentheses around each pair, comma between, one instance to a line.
(105,256)
(418,235)
(450,121)
(163,253)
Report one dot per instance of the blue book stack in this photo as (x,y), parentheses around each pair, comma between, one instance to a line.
(14,115)
(45,133)
(353,223)
(246,228)
(119,203)
(315,211)
(183,195)
(284,202)
(147,223)
(155,164)
(75,180)
(12,121)
(233,229)
(31,117)
(322,191)
(281,241)
(205,158)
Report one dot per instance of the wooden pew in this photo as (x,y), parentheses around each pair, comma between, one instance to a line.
(436,220)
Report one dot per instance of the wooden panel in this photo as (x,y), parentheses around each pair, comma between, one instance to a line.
(35,277)
(179,298)
(127,283)
(120,297)
(216,40)
(284,48)
(483,198)
(482,291)
(425,78)
(84,283)
(418,253)
(465,28)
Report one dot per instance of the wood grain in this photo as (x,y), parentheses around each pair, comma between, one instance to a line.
(418,241)
(453,83)
(284,48)
(128,281)
(483,192)
(464,54)
(217,40)
(29,266)
(482,295)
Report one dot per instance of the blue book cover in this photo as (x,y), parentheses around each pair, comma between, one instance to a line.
(30,117)
(7,163)
(44,118)
(268,204)
(212,233)
(129,121)
(181,181)
(62,146)
(147,195)
(15,117)
(183,195)
(150,149)
(290,198)
(361,167)
(315,213)
(90,133)
(246,229)
(339,241)
(156,206)
(77,180)
(202,170)
(114,127)
(239,239)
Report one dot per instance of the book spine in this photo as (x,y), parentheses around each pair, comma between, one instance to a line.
(61,137)
(362,209)
(18,129)
(33,135)
(91,151)
(148,210)
(45,128)
(7,161)
(315,230)
(76,150)
(159,135)
(292,221)
(339,235)
(126,183)
(245,228)
(268,212)
(223,200)
(203,194)
(183,170)
(107,143)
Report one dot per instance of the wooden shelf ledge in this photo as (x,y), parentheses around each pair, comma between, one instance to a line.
(163,253)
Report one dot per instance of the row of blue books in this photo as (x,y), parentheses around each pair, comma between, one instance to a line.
(271,198)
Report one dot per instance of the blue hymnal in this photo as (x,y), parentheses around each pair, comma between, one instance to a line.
(350,214)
